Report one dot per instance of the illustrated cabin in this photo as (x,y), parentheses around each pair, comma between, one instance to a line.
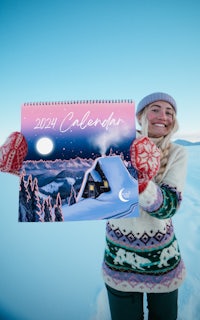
(95,183)
(106,174)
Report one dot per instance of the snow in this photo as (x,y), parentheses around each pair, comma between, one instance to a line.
(53,270)
(110,204)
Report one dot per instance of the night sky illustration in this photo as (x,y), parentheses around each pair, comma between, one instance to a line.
(76,142)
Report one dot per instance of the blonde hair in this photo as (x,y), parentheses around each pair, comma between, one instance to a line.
(163,143)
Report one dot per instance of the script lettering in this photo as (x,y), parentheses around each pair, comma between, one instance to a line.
(70,121)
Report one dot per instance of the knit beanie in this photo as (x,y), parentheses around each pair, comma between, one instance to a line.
(156,96)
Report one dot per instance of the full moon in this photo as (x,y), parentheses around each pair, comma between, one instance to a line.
(44,145)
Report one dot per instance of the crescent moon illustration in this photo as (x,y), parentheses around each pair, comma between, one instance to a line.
(121,197)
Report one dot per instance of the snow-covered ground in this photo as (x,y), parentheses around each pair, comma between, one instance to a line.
(53,270)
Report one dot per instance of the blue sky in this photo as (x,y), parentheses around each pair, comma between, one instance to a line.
(99,49)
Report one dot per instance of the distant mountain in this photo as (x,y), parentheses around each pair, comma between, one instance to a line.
(187,143)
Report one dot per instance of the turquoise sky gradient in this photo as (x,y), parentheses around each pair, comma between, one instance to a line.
(101,49)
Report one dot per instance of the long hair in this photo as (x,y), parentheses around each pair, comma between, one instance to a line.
(163,143)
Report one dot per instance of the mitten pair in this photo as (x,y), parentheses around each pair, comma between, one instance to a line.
(12,153)
(145,158)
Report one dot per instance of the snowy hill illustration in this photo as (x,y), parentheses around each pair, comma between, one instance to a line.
(108,191)
(79,189)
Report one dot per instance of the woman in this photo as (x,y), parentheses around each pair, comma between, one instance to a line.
(142,254)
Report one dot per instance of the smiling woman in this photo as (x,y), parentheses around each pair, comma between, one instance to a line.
(142,254)
(44,146)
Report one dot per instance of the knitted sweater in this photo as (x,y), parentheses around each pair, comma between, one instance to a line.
(142,254)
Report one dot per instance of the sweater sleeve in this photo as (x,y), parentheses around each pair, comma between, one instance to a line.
(162,201)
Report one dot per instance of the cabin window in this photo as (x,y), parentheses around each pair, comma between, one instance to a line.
(105,184)
(91,187)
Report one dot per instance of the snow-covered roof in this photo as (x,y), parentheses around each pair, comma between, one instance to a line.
(95,175)
(115,171)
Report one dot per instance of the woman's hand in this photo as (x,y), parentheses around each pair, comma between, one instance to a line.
(12,153)
(145,158)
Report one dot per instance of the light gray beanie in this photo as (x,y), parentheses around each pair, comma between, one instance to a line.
(156,96)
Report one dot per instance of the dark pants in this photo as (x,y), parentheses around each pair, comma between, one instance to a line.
(129,305)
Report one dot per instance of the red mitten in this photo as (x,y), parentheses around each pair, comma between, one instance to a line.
(12,153)
(145,158)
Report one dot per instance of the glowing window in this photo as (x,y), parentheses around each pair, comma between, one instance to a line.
(105,183)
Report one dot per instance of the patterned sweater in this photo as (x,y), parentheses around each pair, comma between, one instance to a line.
(142,254)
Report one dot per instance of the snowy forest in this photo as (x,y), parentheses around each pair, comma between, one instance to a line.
(51,191)
(32,208)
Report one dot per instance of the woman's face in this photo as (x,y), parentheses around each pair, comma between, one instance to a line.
(160,116)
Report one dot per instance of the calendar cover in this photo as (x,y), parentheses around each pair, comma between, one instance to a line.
(78,165)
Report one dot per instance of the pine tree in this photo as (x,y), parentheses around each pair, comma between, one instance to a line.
(72,197)
(110,152)
(29,187)
(47,208)
(23,200)
(58,209)
(122,155)
(36,206)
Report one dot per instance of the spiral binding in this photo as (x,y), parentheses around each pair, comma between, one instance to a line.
(77,102)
